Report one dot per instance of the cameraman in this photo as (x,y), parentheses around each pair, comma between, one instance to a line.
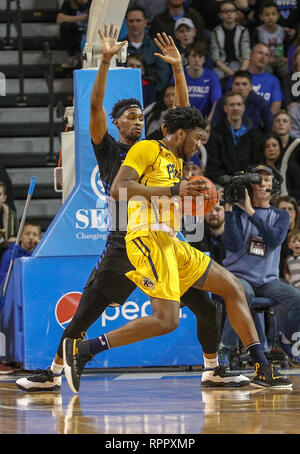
(254,232)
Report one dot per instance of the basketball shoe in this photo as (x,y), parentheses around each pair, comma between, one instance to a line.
(219,377)
(267,376)
(76,354)
(40,380)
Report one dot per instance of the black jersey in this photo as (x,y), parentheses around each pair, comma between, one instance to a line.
(110,154)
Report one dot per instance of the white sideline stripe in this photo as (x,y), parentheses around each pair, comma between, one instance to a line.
(157,376)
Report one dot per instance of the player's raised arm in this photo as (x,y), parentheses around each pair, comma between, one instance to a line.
(171,55)
(98,124)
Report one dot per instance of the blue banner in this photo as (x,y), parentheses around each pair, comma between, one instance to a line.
(45,289)
(80,227)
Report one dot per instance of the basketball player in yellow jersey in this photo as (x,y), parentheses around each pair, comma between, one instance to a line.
(153,224)
(166,267)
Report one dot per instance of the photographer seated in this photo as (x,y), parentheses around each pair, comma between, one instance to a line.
(252,238)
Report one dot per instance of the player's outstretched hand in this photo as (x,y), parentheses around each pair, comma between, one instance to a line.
(170,53)
(109,37)
(193,188)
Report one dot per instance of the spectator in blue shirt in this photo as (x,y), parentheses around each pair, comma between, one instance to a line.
(30,237)
(257,109)
(203,84)
(264,84)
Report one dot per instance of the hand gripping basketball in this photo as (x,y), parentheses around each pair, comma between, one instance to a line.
(204,196)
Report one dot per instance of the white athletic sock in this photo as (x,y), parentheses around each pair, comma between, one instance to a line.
(56,368)
(211,363)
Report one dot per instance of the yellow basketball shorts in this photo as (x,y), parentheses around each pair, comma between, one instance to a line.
(165,267)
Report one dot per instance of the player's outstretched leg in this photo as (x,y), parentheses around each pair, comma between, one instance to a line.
(221,282)
(214,374)
(92,305)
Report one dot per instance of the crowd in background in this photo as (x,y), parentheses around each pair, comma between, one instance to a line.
(242,66)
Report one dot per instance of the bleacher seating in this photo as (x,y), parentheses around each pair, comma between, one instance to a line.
(25,126)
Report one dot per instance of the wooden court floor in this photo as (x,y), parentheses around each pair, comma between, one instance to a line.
(149,403)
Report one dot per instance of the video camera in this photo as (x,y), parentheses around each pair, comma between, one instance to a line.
(234,186)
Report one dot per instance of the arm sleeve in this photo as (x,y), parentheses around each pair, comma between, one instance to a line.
(215,166)
(267,116)
(276,90)
(141,156)
(273,235)
(106,148)
(214,47)
(4,265)
(65,8)
(232,238)
(245,45)
(216,92)
(219,113)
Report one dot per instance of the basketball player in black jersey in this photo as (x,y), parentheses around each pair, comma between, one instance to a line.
(107,283)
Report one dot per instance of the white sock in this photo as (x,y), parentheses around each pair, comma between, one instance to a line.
(56,368)
(210,363)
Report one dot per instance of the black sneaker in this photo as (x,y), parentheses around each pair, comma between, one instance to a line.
(40,380)
(267,376)
(219,377)
(76,353)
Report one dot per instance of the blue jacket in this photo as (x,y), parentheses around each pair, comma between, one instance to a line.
(272,225)
(6,258)
(257,109)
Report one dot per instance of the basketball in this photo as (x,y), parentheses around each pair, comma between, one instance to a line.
(200,206)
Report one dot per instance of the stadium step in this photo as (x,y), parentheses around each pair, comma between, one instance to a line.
(35,63)
(26,151)
(27,122)
(41,210)
(34,35)
(44,185)
(37,92)
(24,127)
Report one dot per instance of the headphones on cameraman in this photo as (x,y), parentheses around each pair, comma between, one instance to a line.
(277,177)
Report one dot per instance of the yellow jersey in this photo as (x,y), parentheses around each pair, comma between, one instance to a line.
(156,165)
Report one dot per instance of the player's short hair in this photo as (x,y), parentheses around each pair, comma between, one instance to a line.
(184,118)
(123,105)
